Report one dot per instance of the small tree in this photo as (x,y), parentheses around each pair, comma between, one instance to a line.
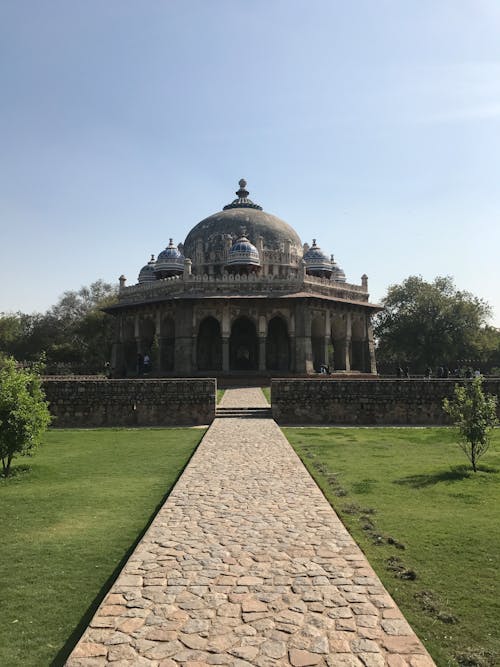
(24,413)
(474,414)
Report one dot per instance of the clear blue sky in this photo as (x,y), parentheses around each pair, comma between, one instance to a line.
(373,126)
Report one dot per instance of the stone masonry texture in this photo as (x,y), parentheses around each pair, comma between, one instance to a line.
(374,402)
(142,402)
(247,564)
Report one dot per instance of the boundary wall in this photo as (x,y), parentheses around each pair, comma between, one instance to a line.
(94,402)
(375,402)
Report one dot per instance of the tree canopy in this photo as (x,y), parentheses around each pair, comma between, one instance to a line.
(24,413)
(74,333)
(474,415)
(431,324)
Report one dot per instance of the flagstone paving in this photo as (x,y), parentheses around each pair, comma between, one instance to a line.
(247,564)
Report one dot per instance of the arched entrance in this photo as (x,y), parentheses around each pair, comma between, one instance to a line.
(209,346)
(277,345)
(243,346)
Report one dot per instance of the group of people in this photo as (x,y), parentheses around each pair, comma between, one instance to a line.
(143,364)
(442,372)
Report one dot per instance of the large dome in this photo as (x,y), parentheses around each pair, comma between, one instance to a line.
(242,215)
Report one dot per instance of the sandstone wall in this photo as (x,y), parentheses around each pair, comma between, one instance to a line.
(99,402)
(364,402)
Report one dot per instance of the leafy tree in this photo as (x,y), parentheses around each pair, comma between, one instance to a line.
(429,324)
(474,414)
(24,413)
(75,332)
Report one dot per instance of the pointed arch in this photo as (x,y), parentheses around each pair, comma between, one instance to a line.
(277,345)
(209,345)
(243,345)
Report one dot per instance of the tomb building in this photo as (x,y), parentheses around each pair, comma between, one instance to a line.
(243,294)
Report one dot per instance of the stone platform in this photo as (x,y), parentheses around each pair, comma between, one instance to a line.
(247,564)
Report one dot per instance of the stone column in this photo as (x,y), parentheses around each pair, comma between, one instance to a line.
(326,340)
(262,342)
(370,345)
(291,334)
(348,334)
(262,353)
(226,334)
(184,346)
(303,347)
(225,354)
(117,349)
(137,333)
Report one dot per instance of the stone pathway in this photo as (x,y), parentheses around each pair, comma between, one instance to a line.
(247,564)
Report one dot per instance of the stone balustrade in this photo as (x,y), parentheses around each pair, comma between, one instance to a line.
(235,283)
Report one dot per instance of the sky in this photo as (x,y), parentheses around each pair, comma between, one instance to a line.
(372,126)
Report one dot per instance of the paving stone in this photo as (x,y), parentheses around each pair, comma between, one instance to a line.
(364,646)
(396,627)
(89,650)
(273,649)
(300,658)
(247,564)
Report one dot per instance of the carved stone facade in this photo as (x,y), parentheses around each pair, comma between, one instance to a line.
(242,294)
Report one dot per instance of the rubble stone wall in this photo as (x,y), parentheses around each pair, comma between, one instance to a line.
(372,402)
(83,403)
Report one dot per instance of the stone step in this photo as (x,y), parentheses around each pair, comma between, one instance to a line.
(264,412)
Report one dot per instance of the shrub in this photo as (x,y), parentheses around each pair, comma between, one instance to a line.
(474,414)
(24,413)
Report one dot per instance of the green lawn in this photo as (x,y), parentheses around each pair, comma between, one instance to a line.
(267,393)
(69,522)
(220,394)
(429,526)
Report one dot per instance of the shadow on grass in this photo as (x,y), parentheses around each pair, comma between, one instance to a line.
(454,474)
(83,623)
(16,471)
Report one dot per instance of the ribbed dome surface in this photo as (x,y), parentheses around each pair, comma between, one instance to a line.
(243,253)
(316,259)
(147,273)
(170,260)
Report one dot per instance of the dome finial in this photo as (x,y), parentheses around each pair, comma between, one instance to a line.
(242,201)
(242,193)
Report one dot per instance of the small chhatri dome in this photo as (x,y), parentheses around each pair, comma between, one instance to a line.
(338,274)
(147,273)
(243,255)
(317,263)
(170,261)
(242,201)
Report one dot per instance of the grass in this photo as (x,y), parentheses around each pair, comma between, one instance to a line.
(69,518)
(267,393)
(220,394)
(428,525)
